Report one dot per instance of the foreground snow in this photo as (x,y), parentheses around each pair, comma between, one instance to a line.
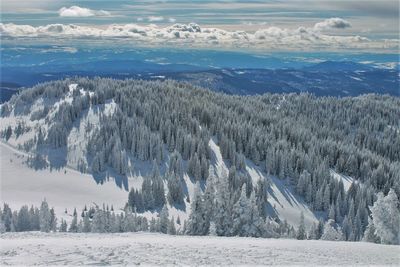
(156,249)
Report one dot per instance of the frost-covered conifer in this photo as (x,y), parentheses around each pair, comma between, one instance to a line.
(301,232)
(45,217)
(198,222)
(331,233)
(386,218)
(164,221)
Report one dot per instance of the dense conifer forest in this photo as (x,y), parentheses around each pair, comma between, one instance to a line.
(296,137)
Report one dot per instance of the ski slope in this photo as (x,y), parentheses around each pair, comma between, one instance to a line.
(35,248)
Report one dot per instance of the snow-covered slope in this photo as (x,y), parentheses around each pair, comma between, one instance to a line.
(26,249)
(65,187)
(68,189)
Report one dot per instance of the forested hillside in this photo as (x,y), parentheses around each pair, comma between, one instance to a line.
(116,128)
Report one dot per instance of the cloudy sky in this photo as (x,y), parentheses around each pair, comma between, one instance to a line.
(268,24)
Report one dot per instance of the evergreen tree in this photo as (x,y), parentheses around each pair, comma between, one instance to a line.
(313,233)
(157,187)
(63,226)
(262,197)
(175,191)
(23,223)
(148,200)
(222,217)
(171,227)
(34,219)
(301,232)
(2,226)
(198,223)
(53,220)
(386,218)
(245,216)
(45,217)
(73,228)
(86,224)
(164,221)
(153,227)
(7,217)
(331,233)
(347,228)
(369,235)
(99,221)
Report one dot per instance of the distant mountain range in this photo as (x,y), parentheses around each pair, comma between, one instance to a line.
(328,78)
(329,66)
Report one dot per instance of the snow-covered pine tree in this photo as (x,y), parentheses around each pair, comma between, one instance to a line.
(301,232)
(222,215)
(2,226)
(370,233)
(73,228)
(63,226)
(148,200)
(245,216)
(34,219)
(312,234)
(164,221)
(53,220)
(347,228)
(23,223)
(255,225)
(7,217)
(157,186)
(331,233)
(153,227)
(86,224)
(262,196)
(386,218)
(171,227)
(98,222)
(175,191)
(198,222)
(45,217)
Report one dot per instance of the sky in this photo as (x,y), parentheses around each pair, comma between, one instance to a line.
(308,25)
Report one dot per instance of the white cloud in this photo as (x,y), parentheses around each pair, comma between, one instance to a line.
(76,11)
(332,23)
(267,39)
(155,18)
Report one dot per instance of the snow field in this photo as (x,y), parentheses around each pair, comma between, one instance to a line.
(35,248)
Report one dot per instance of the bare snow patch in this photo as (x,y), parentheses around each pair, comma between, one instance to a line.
(347,180)
(64,188)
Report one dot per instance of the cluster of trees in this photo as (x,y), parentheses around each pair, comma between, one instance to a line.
(152,194)
(211,214)
(28,219)
(94,219)
(225,212)
(298,137)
